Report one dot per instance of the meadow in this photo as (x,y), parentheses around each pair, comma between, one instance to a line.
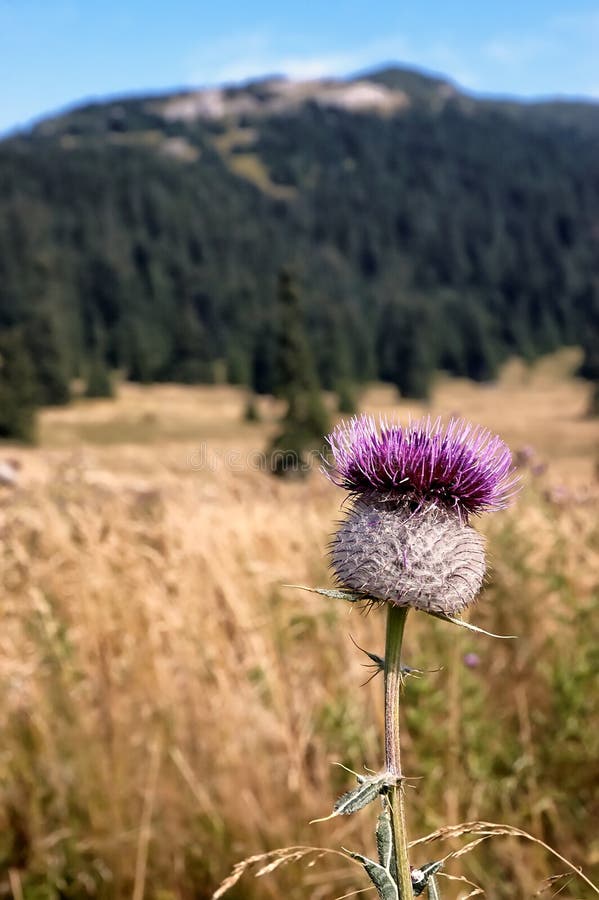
(170,707)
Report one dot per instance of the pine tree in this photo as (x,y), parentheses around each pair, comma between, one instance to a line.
(140,356)
(408,349)
(305,421)
(346,398)
(479,342)
(139,359)
(262,368)
(238,365)
(295,371)
(19,390)
(99,382)
(48,359)
(336,367)
(190,362)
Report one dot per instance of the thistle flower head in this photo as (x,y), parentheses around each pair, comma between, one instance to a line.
(406,537)
(462,467)
(427,559)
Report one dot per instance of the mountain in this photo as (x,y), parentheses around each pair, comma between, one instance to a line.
(427,228)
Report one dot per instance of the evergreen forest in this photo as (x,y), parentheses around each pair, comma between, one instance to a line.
(446,232)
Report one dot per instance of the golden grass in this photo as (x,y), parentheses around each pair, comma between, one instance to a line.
(169,708)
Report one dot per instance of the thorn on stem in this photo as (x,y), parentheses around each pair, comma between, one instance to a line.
(378,664)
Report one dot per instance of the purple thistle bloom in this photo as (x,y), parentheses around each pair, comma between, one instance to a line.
(462,467)
(406,537)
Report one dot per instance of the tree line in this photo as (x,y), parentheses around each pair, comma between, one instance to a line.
(435,239)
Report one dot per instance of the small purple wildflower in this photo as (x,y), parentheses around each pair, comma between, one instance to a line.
(461,467)
(471,660)
(524,456)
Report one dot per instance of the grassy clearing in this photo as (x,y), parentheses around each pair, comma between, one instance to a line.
(235,147)
(169,707)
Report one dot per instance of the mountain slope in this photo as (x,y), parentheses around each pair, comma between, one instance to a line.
(427,228)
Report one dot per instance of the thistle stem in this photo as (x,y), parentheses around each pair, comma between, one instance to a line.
(396,619)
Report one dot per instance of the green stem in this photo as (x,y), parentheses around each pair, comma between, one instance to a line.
(396,620)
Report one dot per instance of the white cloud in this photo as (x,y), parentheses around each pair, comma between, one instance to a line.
(558,57)
(300,67)
(242,56)
(515,51)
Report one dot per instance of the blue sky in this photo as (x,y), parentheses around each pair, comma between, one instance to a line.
(53,54)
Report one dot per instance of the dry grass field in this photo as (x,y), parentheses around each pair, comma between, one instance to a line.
(169,707)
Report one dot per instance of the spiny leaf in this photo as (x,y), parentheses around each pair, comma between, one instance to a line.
(433,889)
(422,875)
(455,621)
(378,661)
(359,597)
(380,877)
(369,788)
(334,593)
(384,839)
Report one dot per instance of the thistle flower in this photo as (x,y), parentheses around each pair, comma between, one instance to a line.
(406,538)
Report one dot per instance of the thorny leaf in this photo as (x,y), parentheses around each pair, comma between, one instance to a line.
(359,597)
(334,593)
(384,842)
(369,788)
(421,876)
(384,839)
(378,663)
(455,621)
(433,889)
(380,877)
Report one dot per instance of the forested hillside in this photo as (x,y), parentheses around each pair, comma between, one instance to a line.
(426,230)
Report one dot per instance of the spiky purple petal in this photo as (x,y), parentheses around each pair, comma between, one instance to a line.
(460,466)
